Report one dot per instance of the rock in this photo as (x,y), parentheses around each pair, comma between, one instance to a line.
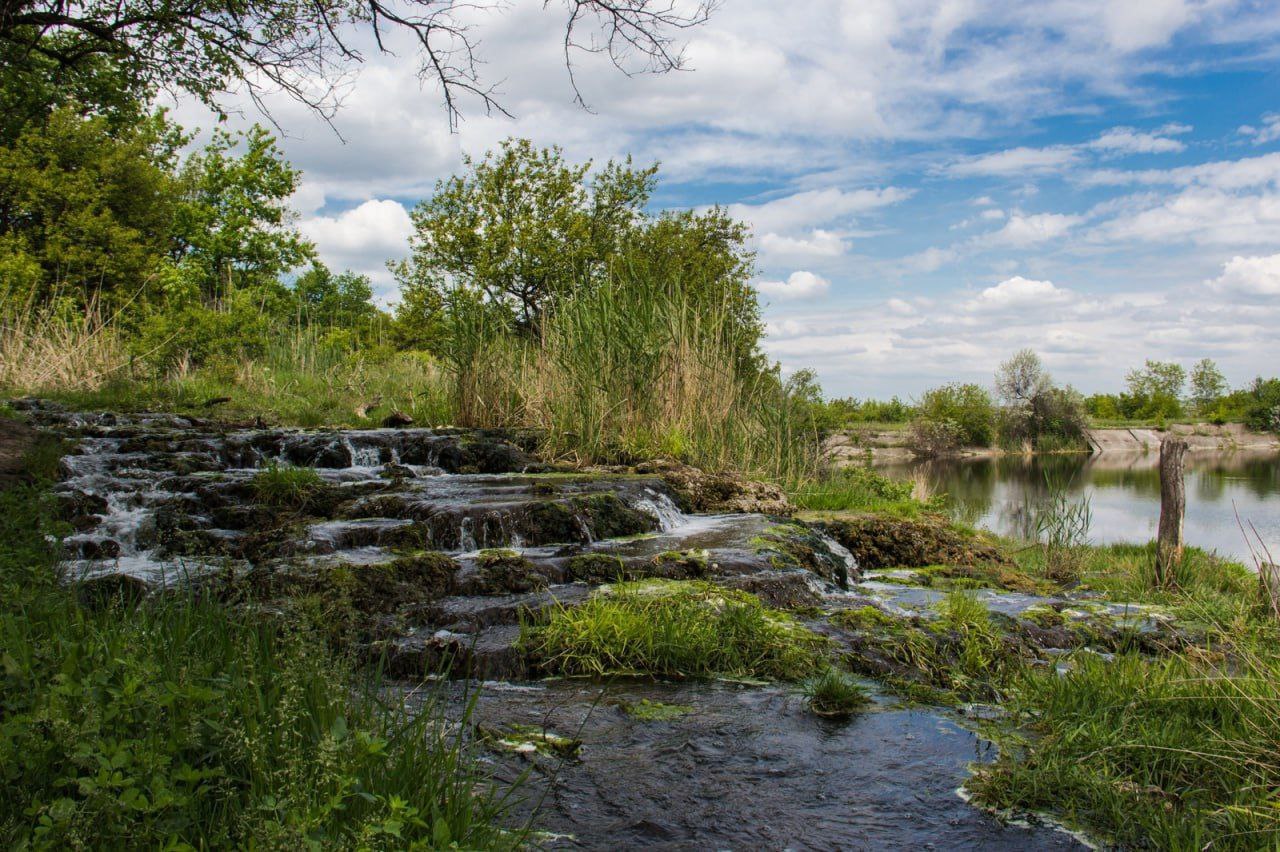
(108,589)
(877,541)
(719,492)
(397,420)
(217,400)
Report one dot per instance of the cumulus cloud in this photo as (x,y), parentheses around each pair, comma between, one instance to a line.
(818,243)
(1017,293)
(799,285)
(362,239)
(1249,277)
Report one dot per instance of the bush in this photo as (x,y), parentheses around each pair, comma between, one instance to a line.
(966,408)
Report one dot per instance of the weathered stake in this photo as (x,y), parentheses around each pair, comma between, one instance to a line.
(1173,506)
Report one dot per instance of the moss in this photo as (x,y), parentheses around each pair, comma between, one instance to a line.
(682,564)
(883,542)
(655,711)
(983,575)
(791,546)
(862,618)
(502,571)
(595,568)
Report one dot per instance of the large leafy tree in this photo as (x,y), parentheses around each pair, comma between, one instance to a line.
(86,209)
(208,48)
(524,226)
(234,226)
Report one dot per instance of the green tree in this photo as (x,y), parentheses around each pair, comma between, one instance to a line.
(234,227)
(1208,386)
(86,210)
(1036,411)
(524,226)
(1155,390)
(339,301)
(303,49)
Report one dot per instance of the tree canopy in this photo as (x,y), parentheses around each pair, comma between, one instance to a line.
(208,48)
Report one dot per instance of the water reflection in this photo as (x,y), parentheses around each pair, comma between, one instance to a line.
(1123,488)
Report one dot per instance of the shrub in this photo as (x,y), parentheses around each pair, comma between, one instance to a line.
(967,407)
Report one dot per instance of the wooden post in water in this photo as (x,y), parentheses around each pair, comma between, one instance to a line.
(1173,506)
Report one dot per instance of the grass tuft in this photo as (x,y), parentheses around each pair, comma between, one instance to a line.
(286,487)
(678,629)
(835,693)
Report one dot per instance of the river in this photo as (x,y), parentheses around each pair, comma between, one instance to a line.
(1123,490)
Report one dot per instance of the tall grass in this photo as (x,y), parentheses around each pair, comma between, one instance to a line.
(44,349)
(633,369)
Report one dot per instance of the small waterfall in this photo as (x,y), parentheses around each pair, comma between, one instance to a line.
(662,507)
(466,540)
(851,566)
(362,456)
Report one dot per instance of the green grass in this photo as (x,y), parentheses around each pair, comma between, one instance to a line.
(286,486)
(855,489)
(1167,754)
(181,723)
(678,629)
(835,693)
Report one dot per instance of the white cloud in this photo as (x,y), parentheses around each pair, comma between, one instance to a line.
(1016,162)
(799,285)
(1249,276)
(1018,292)
(1022,230)
(814,207)
(1126,140)
(818,243)
(1268,132)
(362,239)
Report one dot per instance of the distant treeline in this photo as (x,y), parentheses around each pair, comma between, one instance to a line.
(1026,409)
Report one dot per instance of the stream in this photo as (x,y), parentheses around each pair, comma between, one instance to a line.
(163,499)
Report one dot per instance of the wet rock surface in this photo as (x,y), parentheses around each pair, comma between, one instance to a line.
(426,550)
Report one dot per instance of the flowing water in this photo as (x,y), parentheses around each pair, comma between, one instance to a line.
(1123,491)
(161,499)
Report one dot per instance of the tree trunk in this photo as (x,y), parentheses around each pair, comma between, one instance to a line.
(1173,505)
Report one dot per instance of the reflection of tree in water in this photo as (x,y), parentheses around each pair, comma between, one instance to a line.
(1001,492)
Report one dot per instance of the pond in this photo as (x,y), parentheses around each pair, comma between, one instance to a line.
(1123,490)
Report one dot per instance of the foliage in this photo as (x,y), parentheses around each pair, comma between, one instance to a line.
(849,411)
(1155,390)
(175,722)
(526,228)
(85,210)
(953,416)
(1262,405)
(669,628)
(1036,412)
(1208,386)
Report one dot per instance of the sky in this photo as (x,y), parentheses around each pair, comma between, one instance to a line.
(931,184)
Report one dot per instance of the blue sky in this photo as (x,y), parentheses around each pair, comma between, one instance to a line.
(932,184)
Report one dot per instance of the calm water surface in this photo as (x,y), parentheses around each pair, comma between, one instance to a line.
(1123,490)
